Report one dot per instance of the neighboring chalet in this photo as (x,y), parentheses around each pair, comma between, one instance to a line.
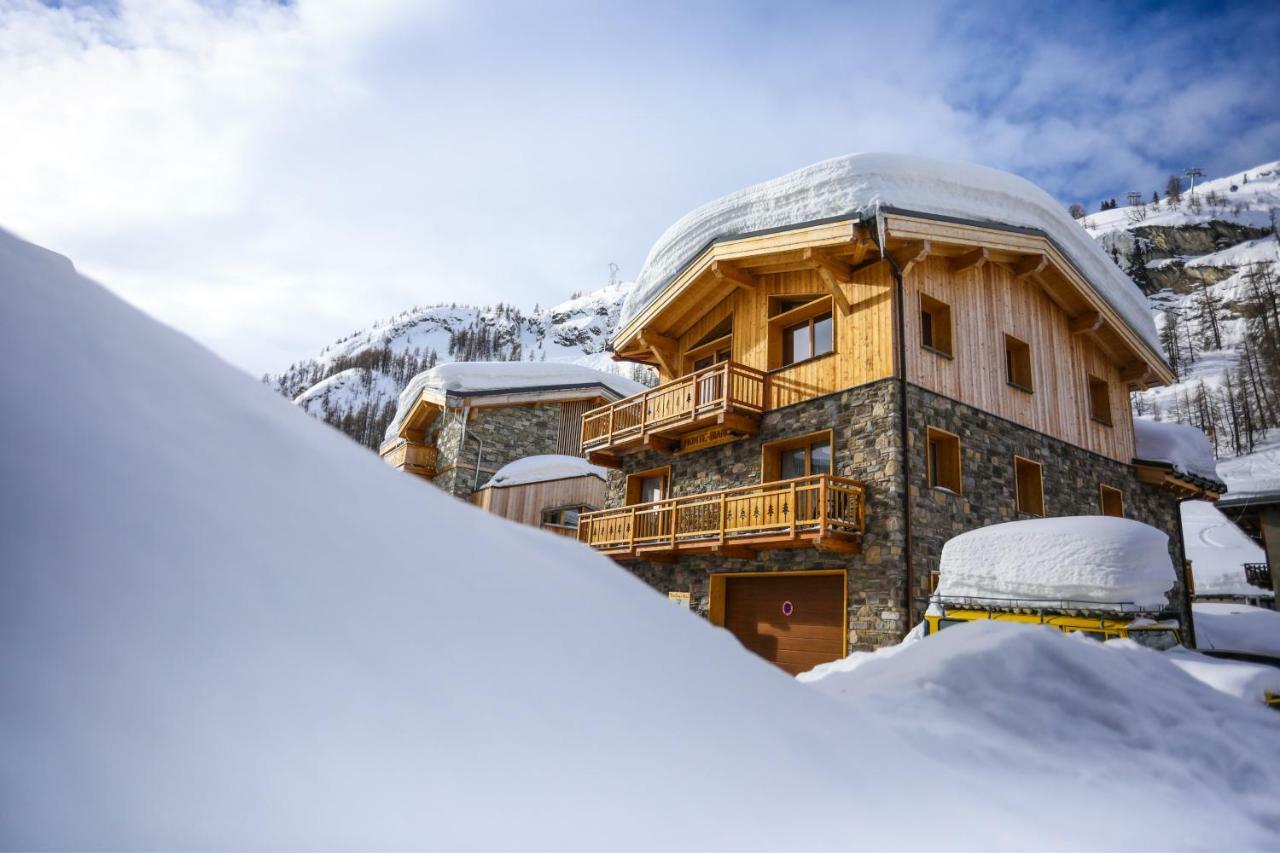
(457,424)
(857,362)
(549,492)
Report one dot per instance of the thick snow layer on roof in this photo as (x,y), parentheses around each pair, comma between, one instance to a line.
(471,377)
(1182,446)
(541,469)
(1096,560)
(1218,550)
(857,185)
(1238,627)
(241,654)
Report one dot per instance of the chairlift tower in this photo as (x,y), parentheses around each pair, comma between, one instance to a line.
(1193,172)
(1135,199)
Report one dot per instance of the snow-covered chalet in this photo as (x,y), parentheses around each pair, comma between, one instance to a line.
(858,361)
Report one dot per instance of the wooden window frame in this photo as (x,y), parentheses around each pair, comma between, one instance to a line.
(1103,489)
(817,306)
(1017,487)
(770,460)
(1010,371)
(634,481)
(938,308)
(1092,384)
(929,434)
(581,508)
(711,346)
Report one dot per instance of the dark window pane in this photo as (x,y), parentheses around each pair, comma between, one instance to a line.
(792,463)
(823,330)
(651,489)
(926,328)
(820,458)
(795,344)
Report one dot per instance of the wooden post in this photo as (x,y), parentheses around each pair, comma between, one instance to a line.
(794,508)
(822,501)
(723,501)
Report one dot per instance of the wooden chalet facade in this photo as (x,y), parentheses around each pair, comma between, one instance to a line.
(839,398)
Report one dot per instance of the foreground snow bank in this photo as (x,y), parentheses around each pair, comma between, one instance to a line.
(1238,627)
(218,635)
(860,185)
(1113,563)
(542,469)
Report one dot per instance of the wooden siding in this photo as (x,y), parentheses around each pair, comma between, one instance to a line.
(526,503)
(569,438)
(988,303)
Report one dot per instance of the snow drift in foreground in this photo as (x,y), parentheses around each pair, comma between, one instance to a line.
(227,626)
(861,184)
(1218,551)
(1238,627)
(1090,559)
(543,469)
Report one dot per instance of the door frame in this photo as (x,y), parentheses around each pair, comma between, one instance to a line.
(716,594)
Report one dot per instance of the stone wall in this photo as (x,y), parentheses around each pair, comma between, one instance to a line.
(508,432)
(988,445)
(866,447)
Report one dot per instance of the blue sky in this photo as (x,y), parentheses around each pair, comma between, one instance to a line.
(269,178)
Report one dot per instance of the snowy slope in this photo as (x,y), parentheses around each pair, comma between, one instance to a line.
(354,382)
(275,643)
(1218,551)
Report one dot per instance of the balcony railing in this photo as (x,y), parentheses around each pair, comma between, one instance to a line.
(822,510)
(415,458)
(677,407)
(1258,574)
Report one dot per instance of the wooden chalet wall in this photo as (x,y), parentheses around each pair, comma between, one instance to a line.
(986,304)
(525,503)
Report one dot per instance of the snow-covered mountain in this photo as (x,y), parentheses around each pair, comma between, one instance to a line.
(354,382)
(1207,260)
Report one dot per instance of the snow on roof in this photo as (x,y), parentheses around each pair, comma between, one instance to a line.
(1094,560)
(857,186)
(473,377)
(1218,550)
(541,469)
(1238,627)
(351,658)
(1181,446)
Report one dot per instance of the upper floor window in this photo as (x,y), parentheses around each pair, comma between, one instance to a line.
(1099,400)
(935,325)
(802,456)
(1017,363)
(714,347)
(800,328)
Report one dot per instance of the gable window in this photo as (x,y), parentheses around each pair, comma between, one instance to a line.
(935,326)
(943,450)
(800,329)
(648,486)
(1099,401)
(1017,363)
(802,456)
(1029,486)
(1110,500)
(713,347)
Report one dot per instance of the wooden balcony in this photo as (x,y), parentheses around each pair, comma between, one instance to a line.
(821,511)
(1258,574)
(728,395)
(415,458)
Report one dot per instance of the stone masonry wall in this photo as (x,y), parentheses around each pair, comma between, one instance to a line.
(864,423)
(508,432)
(988,445)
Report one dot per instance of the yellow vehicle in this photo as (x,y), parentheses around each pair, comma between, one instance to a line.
(1142,629)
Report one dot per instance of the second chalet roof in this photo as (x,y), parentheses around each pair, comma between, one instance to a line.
(1180,447)
(543,469)
(858,186)
(472,378)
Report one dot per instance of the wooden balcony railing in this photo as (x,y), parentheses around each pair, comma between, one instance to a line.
(415,458)
(701,398)
(825,511)
(1258,574)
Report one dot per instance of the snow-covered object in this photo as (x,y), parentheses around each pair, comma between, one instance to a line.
(543,469)
(1096,562)
(463,379)
(285,644)
(1181,446)
(1218,551)
(860,185)
(1238,627)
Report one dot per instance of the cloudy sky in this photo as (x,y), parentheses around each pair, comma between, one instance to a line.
(270,177)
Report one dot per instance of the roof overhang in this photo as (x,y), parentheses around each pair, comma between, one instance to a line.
(1187,486)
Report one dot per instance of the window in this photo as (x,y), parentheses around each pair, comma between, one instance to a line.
(800,329)
(647,486)
(710,359)
(935,326)
(1029,486)
(564,516)
(1017,363)
(797,457)
(1111,500)
(1099,400)
(713,347)
(943,451)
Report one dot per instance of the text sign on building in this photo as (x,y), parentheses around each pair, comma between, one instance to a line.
(680,598)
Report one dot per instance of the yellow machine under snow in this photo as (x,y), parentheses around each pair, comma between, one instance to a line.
(1162,634)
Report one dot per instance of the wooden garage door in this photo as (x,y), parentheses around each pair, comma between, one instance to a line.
(793,620)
